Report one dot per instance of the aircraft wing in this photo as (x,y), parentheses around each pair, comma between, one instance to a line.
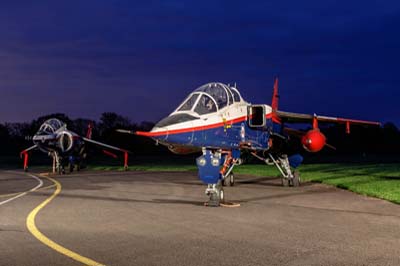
(105,145)
(29,149)
(306,118)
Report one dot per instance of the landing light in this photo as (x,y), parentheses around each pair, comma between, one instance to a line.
(215,162)
(202,161)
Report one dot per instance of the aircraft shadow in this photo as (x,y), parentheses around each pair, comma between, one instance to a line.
(266,181)
(176,201)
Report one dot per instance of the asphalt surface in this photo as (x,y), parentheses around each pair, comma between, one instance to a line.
(158,218)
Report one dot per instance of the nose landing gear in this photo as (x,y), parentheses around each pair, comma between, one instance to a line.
(215,170)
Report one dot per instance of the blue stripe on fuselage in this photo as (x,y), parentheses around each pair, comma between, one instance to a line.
(225,138)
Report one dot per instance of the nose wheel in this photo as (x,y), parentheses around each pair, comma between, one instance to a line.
(216,195)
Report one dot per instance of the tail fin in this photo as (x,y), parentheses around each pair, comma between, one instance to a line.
(89,131)
(275,96)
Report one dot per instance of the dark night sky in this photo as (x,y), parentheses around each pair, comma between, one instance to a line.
(141,59)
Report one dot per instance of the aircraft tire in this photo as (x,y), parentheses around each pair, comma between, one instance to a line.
(231,180)
(296,179)
(285,182)
(224,182)
(214,200)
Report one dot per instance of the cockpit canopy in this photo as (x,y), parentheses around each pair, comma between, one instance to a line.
(50,126)
(210,98)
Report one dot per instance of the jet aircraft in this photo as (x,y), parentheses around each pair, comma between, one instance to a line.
(65,146)
(215,120)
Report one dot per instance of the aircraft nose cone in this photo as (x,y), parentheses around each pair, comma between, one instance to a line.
(36,138)
(155,133)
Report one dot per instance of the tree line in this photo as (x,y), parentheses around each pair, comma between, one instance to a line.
(380,142)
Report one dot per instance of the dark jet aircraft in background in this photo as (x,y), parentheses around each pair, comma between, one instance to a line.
(66,147)
(215,120)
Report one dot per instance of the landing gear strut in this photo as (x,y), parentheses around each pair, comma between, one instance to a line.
(289,177)
(58,166)
(228,178)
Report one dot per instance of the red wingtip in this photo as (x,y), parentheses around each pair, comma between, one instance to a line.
(275,96)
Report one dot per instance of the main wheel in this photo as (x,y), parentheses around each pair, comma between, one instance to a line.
(285,182)
(71,167)
(296,179)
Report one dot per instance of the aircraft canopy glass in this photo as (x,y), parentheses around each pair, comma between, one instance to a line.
(205,105)
(210,98)
(51,125)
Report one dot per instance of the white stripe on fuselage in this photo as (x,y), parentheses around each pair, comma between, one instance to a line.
(43,137)
(232,112)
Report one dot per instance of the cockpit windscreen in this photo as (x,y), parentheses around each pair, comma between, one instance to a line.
(51,126)
(189,103)
(210,98)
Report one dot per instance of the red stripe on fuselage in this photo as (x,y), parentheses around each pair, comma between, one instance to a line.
(198,128)
(190,129)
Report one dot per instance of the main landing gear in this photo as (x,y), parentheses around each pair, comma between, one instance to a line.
(58,166)
(215,170)
(290,177)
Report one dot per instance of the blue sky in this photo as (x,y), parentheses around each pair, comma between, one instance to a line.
(140,59)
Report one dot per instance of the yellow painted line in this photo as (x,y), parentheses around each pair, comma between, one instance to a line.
(30,223)
(50,186)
